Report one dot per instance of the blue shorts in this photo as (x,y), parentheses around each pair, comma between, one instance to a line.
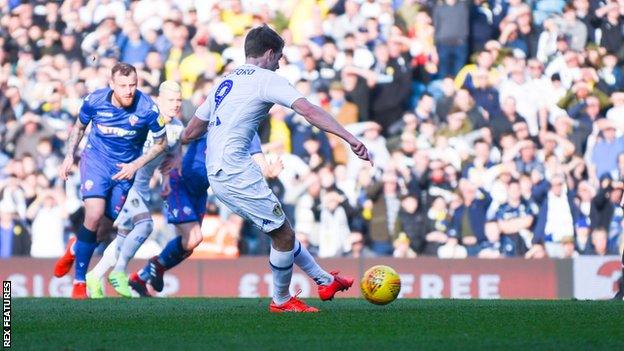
(187,200)
(96,181)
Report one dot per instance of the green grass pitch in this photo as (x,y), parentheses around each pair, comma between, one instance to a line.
(343,324)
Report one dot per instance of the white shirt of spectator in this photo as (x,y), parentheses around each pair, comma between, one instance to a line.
(234,108)
(47,233)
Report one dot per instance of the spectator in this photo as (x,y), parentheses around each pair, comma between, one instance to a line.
(611,35)
(437,227)
(48,224)
(599,240)
(530,109)
(606,151)
(451,23)
(468,222)
(556,217)
(14,238)
(411,222)
(333,227)
(385,204)
(607,215)
(570,25)
(515,219)
(402,247)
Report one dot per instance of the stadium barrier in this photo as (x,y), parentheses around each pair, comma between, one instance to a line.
(583,278)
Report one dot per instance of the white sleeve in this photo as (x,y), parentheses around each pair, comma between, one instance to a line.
(203,111)
(279,91)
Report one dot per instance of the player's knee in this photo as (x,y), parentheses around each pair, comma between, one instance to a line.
(149,226)
(283,237)
(195,239)
(93,219)
(192,239)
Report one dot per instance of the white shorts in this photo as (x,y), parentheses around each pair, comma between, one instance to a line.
(248,195)
(133,211)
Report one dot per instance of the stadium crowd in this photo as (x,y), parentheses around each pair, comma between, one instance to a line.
(495,126)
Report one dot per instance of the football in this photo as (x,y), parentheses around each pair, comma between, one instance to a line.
(380,285)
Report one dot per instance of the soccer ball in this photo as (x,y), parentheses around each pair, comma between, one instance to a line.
(380,285)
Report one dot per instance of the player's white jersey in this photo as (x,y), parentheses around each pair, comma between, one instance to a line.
(234,108)
(173,131)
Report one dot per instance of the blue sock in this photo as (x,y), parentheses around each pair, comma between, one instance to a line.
(173,253)
(84,247)
(144,273)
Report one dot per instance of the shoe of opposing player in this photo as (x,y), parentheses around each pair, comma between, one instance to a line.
(65,262)
(327,292)
(156,272)
(119,281)
(79,291)
(94,286)
(293,305)
(138,285)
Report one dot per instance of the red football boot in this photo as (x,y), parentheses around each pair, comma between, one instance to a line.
(138,285)
(327,292)
(64,264)
(79,292)
(292,305)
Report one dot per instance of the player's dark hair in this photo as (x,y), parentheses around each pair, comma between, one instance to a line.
(123,69)
(261,39)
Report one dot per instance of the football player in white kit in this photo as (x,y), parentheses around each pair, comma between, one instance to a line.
(134,223)
(232,112)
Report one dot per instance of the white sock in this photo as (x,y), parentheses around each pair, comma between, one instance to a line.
(306,262)
(134,240)
(281,263)
(108,259)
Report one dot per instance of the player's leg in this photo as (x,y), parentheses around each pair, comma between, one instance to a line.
(184,209)
(95,275)
(115,205)
(86,243)
(248,195)
(95,183)
(137,226)
(137,236)
(176,251)
(328,283)
(281,260)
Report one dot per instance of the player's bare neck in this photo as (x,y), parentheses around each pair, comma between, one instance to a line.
(257,61)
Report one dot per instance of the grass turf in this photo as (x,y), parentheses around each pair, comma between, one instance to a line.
(343,324)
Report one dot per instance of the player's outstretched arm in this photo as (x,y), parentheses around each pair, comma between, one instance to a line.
(194,130)
(321,119)
(127,170)
(75,136)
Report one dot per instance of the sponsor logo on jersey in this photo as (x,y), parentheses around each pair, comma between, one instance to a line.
(187,210)
(133,119)
(120,132)
(88,184)
(104,114)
